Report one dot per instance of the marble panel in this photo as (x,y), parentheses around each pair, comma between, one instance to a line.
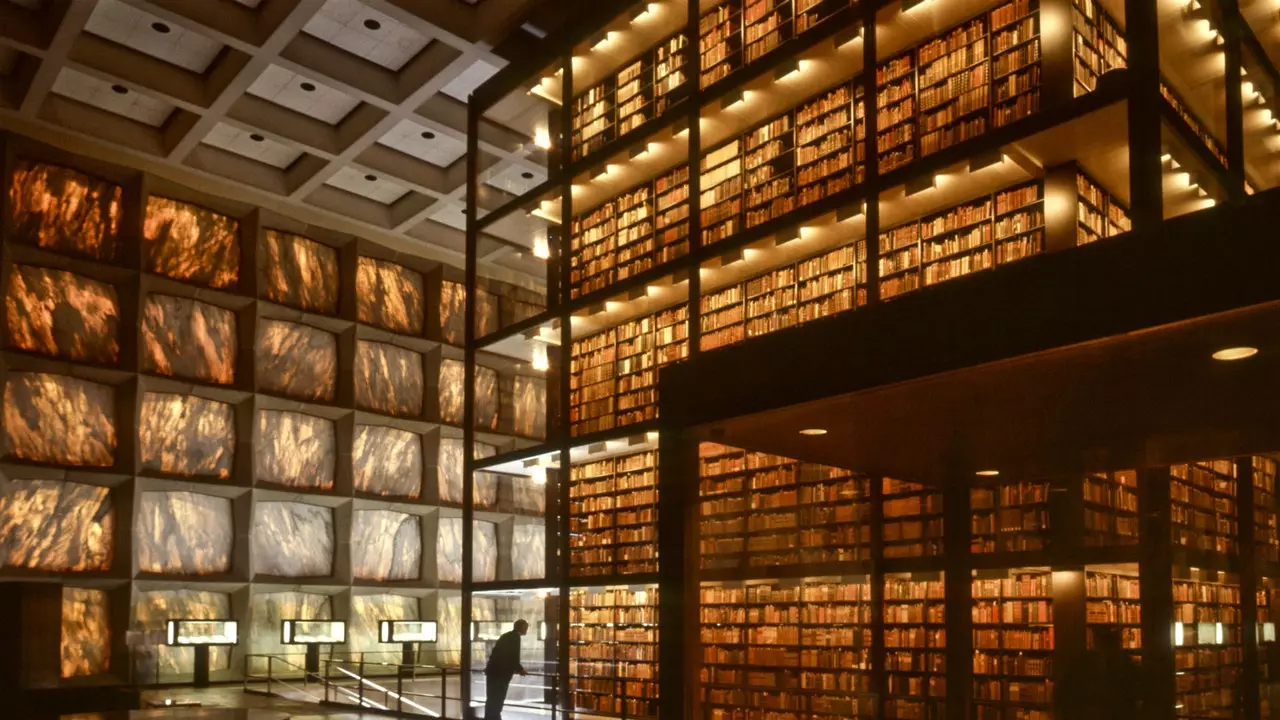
(296,450)
(299,272)
(449,550)
(297,360)
(449,628)
(292,539)
(186,435)
(59,420)
(368,610)
(190,339)
(528,495)
(54,312)
(63,210)
(529,552)
(486,398)
(453,312)
(387,461)
(190,243)
(267,610)
(56,526)
(530,406)
(484,486)
(452,377)
(484,551)
(449,465)
(389,379)
(487,313)
(385,545)
(183,533)
(153,608)
(86,632)
(389,296)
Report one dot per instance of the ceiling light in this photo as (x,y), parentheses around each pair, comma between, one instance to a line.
(540,361)
(119,89)
(428,135)
(541,246)
(542,138)
(813,432)
(256,137)
(987,473)
(1235,353)
(373,24)
(526,175)
(307,87)
(160,28)
(371,178)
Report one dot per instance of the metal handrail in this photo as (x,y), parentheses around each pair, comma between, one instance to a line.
(553,688)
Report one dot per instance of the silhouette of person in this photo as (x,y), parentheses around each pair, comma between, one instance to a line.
(504,662)
(1108,683)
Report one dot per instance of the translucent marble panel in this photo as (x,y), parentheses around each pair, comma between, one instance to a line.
(389,379)
(187,338)
(484,556)
(292,539)
(387,461)
(367,611)
(190,243)
(183,533)
(298,272)
(64,210)
(487,313)
(453,308)
(486,398)
(484,551)
(54,312)
(528,495)
(295,449)
(186,435)
(529,552)
(297,360)
(59,420)
(267,610)
(452,377)
(450,470)
(385,545)
(449,629)
(56,526)
(86,632)
(530,406)
(152,609)
(389,296)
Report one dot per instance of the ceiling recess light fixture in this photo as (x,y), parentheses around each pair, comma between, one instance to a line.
(372,24)
(1235,353)
(160,28)
(371,178)
(307,87)
(256,137)
(119,89)
(813,432)
(428,135)
(526,175)
(987,473)
(542,138)
(541,246)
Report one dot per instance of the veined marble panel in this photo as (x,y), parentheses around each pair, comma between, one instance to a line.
(295,449)
(487,313)
(529,495)
(389,296)
(297,360)
(529,552)
(57,526)
(484,486)
(86,632)
(186,435)
(267,610)
(152,609)
(54,312)
(385,545)
(530,406)
(65,211)
(449,550)
(183,533)
(368,610)
(387,461)
(484,551)
(189,339)
(486,398)
(59,419)
(292,539)
(452,377)
(449,628)
(389,379)
(190,243)
(449,465)
(453,309)
(299,272)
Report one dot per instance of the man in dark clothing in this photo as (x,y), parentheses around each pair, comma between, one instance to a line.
(504,662)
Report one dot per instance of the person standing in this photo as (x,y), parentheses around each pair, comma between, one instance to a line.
(504,663)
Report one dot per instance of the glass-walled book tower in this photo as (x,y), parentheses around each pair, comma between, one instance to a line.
(719,171)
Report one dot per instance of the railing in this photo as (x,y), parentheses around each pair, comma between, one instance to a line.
(346,682)
(544,683)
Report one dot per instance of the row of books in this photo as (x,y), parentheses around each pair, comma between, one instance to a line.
(613,665)
(613,516)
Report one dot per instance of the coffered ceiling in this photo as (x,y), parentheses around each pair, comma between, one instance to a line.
(344,113)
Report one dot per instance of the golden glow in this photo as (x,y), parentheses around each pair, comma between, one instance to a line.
(539,359)
(1235,353)
(542,138)
(541,246)
(813,432)
(987,473)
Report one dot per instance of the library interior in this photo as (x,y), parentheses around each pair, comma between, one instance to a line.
(982,424)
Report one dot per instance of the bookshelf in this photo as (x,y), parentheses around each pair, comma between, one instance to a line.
(830,154)
(759,511)
(766,25)
(769,170)
(1008,517)
(1098,214)
(594,119)
(634,237)
(593,249)
(913,523)
(1113,604)
(1019,223)
(1015,61)
(720,41)
(956,242)
(1204,512)
(1268,603)
(953,85)
(895,112)
(720,204)
(592,388)
(1013,644)
(669,72)
(1180,107)
(793,294)
(1098,44)
(1207,646)
(1110,508)
(915,640)
(794,649)
(613,651)
(1266,534)
(613,509)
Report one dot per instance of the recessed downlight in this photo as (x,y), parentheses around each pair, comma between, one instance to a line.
(813,432)
(307,87)
(160,28)
(371,178)
(372,24)
(256,137)
(1235,353)
(987,473)
(119,89)
(428,135)
(526,175)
